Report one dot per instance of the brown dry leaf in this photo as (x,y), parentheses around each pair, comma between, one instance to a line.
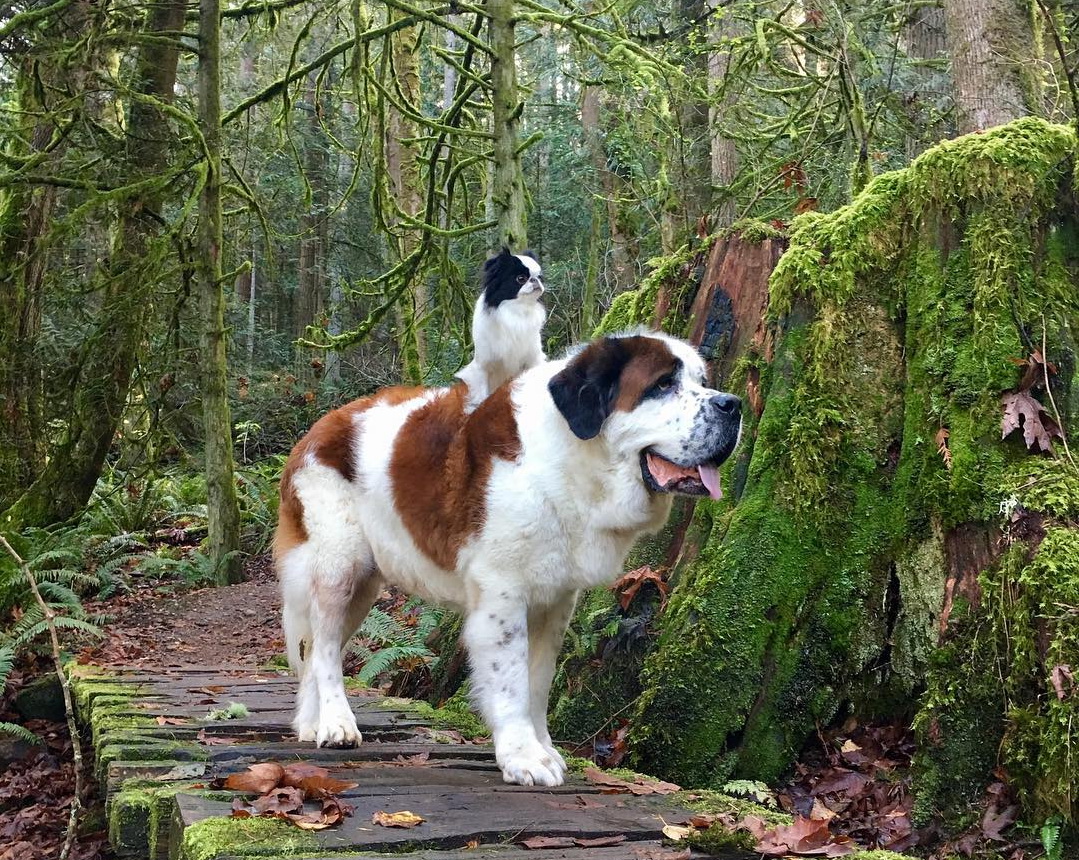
(324,786)
(630,583)
(172,721)
(614,785)
(995,820)
(600,841)
(416,760)
(396,819)
(1058,676)
(472,844)
(301,770)
(1034,370)
(279,801)
(258,778)
(547,842)
(1022,410)
(806,204)
(240,809)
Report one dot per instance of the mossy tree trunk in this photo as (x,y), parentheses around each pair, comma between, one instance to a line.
(507,192)
(887,543)
(222,505)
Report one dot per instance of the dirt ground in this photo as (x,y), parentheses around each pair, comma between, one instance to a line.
(238,626)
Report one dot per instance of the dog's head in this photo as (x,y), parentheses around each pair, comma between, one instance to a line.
(509,276)
(645,394)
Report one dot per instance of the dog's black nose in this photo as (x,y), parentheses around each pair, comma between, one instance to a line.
(726,404)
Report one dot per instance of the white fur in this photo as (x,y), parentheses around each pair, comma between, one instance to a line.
(560,518)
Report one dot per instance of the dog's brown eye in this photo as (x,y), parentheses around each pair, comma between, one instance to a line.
(662,385)
(522,279)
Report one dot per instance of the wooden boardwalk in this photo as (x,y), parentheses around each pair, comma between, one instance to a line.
(157,754)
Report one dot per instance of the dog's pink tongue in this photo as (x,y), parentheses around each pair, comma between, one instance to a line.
(710,479)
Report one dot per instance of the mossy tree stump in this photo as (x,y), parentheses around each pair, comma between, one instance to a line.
(888,544)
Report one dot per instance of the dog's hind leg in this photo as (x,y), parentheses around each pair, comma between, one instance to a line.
(546,632)
(496,634)
(342,596)
(294,571)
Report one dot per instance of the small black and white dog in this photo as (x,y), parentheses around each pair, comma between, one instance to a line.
(506,324)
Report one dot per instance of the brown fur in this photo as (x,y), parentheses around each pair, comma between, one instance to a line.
(332,439)
(441,463)
(649,360)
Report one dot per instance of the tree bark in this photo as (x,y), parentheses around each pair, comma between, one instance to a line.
(991,43)
(508,184)
(222,506)
(724,153)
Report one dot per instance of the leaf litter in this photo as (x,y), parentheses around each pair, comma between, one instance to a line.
(283,791)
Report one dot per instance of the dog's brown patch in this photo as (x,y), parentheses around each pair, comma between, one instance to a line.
(332,440)
(649,359)
(441,463)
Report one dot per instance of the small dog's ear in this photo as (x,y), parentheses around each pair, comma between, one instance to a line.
(584,391)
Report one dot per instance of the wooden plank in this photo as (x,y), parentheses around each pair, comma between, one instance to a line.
(453,819)
(642,850)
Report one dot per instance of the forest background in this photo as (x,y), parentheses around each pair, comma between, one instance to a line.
(216,223)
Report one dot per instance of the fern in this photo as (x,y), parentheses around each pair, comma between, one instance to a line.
(19,732)
(1051,841)
(385,642)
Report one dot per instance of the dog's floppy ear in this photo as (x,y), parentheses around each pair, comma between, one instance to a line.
(585,389)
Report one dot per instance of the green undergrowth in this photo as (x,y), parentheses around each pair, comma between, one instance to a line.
(899,321)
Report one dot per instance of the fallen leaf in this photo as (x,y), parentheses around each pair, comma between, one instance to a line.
(640,785)
(396,819)
(600,841)
(258,778)
(1058,676)
(630,583)
(1022,410)
(677,832)
(279,801)
(472,844)
(994,821)
(172,721)
(547,842)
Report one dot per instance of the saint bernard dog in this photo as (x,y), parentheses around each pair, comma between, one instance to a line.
(506,324)
(503,513)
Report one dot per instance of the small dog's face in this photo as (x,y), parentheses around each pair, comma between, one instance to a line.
(645,395)
(509,276)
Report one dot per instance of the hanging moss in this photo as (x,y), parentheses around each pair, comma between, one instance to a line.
(898,317)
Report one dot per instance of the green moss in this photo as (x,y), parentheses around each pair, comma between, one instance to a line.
(455,713)
(140,815)
(718,839)
(212,837)
(716,802)
(754,230)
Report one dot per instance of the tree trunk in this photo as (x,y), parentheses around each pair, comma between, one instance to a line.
(405,188)
(862,563)
(691,157)
(724,153)
(108,355)
(507,187)
(607,208)
(925,37)
(223,509)
(994,77)
(310,301)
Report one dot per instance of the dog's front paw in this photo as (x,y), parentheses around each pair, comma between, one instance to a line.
(556,756)
(338,730)
(305,732)
(533,765)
